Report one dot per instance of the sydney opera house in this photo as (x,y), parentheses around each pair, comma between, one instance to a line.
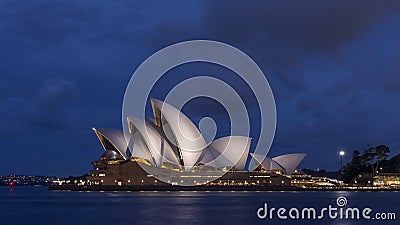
(169,150)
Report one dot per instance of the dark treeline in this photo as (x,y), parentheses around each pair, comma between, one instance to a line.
(368,163)
(363,166)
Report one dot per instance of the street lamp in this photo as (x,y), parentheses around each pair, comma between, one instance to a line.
(341,153)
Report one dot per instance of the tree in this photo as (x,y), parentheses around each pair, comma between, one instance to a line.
(363,163)
(368,158)
(381,152)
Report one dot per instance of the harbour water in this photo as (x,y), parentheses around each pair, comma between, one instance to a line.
(37,205)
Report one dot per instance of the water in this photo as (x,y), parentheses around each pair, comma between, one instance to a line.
(37,205)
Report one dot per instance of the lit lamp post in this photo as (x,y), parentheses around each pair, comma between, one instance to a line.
(341,153)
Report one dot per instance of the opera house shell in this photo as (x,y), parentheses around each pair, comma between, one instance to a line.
(171,147)
(285,163)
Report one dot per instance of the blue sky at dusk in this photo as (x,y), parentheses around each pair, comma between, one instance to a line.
(334,68)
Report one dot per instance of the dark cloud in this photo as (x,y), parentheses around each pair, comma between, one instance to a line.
(280,35)
(1,88)
(91,22)
(333,67)
(12,117)
(48,106)
(44,109)
(391,77)
(312,26)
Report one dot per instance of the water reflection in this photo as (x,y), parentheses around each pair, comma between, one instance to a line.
(26,205)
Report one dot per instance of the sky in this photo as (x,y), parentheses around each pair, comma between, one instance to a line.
(333,66)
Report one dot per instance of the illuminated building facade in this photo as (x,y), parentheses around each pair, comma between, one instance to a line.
(171,144)
(387,180)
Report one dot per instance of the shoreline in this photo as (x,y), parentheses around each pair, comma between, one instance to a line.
(211,188)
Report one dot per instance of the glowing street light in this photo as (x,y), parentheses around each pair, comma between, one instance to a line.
(341,153)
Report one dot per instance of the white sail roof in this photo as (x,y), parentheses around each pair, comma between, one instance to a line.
(287,163)
(174,139)
(113,139)
(148,140)
(180,131)
(228,151)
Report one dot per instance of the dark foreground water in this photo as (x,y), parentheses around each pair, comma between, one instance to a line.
(37,205)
